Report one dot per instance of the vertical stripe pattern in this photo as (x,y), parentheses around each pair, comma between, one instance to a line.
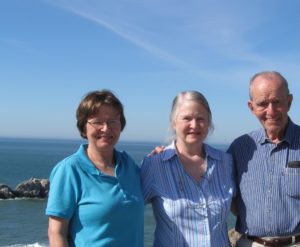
(269,191)
(188,213)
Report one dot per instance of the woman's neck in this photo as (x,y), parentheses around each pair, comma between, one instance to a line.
(102,160)
(193,160)
(192,150)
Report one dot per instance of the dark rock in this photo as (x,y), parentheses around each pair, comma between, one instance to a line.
(6,192)
(33,188)
(46,186)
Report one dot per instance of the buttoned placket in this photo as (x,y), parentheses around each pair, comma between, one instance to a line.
(271,179)
(269,170)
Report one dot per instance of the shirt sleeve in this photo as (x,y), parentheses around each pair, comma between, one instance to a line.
(62,199)
(147,179)
(232,176)
(233,164)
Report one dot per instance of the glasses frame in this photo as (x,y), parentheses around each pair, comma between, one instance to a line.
(111,124)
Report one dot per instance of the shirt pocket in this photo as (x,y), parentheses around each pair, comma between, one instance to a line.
(291,182)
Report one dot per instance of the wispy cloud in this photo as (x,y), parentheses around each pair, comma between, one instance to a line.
(123,27)
(187,35)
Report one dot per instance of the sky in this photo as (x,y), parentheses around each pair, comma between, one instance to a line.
(53,52)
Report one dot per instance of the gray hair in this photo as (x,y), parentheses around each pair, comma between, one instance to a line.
(190,96)
(268,75)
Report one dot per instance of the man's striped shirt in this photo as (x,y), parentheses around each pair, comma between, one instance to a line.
(269,191)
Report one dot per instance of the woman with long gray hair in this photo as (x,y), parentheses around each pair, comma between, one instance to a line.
(190,183)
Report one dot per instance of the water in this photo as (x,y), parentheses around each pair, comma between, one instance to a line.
(23,221)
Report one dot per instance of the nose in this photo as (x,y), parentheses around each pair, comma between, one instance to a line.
(271,109)
(105,126)
(193,122)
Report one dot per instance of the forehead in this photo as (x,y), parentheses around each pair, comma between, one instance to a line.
(190,107)
(268,87)
(106,110)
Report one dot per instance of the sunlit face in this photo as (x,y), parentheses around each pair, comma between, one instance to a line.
(270,104)
(104,128)
(191,123)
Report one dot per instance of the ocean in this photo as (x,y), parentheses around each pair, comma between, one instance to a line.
(23,221)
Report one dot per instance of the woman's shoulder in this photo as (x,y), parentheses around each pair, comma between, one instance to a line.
(159,160)
(69,163)
(124,158)
(122,155)
(213,151)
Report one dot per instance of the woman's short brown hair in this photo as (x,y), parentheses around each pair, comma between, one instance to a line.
(90,105)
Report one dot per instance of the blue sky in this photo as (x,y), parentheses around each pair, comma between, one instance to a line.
(53,52)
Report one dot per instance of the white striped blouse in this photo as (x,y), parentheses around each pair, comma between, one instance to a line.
(189,213)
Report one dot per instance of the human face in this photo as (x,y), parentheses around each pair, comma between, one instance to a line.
(270,104)
(104,128)
(191,123)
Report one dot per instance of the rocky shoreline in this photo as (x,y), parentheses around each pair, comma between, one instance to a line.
(31,188)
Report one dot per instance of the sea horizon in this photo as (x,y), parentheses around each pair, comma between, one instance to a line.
(79,139)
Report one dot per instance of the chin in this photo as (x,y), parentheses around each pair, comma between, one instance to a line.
(194,141)
(102,143)
(274,129)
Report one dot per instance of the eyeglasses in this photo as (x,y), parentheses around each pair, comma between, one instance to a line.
(112,124)
(276,104)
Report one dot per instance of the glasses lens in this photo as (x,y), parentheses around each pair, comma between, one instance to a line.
(100,124)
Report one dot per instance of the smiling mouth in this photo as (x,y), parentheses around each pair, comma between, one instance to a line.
(272,120)
(104,137)
(194,133)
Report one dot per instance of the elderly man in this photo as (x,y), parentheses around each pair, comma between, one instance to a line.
(267,166)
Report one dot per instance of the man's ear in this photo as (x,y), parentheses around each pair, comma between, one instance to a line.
(290,100)
(250,105)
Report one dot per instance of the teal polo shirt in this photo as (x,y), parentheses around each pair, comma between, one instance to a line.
(102,210)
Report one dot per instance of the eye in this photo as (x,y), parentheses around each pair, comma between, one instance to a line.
(113,123)
(200,119)
(97,122)
(187,118)
(276,102)
(262,104)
